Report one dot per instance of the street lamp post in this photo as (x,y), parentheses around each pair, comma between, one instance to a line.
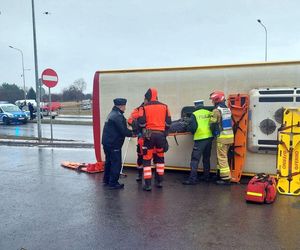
(266,45)
(23,75)
(37,86)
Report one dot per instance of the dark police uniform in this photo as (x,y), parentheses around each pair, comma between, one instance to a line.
(114,132)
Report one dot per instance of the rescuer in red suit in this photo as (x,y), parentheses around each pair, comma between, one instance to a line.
(154,119)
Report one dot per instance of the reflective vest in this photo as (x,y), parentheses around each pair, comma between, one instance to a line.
(226,123)
(203,130)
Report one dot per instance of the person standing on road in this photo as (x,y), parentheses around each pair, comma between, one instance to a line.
(221,124)
(154,119)
(203,137)
(31,110)
(114,132)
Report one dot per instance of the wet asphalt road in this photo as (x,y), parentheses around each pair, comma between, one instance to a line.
(60,131)
(45,206)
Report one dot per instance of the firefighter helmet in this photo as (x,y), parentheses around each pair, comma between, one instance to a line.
(217,96)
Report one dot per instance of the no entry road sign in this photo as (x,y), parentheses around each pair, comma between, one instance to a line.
(49,78)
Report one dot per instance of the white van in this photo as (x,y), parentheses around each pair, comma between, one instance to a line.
(23,104)
(85,105)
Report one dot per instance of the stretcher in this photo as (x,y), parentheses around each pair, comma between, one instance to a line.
(288,162)
(283,163)
(295,172)
(291,120)
(239,106)
(90,168)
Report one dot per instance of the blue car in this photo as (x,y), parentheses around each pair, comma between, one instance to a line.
(10,113)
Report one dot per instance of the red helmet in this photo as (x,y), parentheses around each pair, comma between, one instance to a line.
(217,96)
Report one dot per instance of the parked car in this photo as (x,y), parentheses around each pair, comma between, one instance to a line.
(85,105)
(34,114)
(53,110)
(10,113)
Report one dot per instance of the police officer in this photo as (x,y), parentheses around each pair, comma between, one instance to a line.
(114,132)
(154,119)
(222,125)
(200,128)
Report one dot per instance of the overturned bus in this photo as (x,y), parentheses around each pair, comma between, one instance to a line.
(270,86)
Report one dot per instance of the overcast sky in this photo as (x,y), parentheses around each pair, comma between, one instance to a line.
(78,38)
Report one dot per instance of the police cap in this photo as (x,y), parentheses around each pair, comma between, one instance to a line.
(198,103)
(120,101)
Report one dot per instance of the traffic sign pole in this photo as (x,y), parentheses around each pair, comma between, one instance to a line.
(50,108)
(50,79)
(40,97)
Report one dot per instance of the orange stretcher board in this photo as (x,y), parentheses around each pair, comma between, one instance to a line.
(239,106)
(83,167)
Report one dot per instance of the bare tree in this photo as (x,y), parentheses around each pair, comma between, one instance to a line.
(80,84)
(72,94)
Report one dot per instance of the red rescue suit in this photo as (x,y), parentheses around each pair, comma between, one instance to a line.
(132,121)
(155,119)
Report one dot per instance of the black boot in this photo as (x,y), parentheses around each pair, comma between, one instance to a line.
(216,177)
(139,175)
(189,182)
(116,186)
(158,181)
(223,182)
(193,178)
(147,186)
(205,177)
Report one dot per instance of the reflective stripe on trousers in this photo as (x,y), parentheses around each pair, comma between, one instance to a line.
(160,168)
(147,173)
(223,166)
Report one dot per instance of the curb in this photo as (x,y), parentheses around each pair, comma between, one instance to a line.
(55,144)
(64,122)
(76,116)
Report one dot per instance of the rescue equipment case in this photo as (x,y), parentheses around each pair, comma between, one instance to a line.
(261,189)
